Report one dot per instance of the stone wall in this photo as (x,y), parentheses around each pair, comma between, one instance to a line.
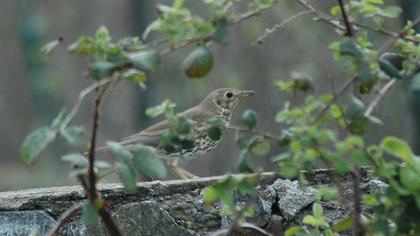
(170,207)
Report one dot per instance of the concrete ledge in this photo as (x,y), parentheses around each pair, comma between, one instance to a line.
(170,207)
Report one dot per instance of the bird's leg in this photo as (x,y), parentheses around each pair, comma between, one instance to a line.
(178,170)
(181,172)
(188,174)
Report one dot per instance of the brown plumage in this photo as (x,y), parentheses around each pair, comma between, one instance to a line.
(221,102)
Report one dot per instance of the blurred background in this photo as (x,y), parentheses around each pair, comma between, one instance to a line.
(33,88)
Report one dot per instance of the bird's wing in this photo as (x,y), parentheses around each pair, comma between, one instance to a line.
(151,135)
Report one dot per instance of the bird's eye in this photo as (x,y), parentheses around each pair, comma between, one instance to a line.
(229,94)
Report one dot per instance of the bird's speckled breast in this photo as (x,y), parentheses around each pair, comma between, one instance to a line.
(204,143)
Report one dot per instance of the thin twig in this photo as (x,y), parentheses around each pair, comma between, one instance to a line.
(253,131)
(320,15)
(64,218)
(349,28)
(392,41)
(109,93)
(338,94)
(346,123)
(378,98)
(82,95)
(273,29)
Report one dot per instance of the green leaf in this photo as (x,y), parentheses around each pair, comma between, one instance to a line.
(89,214)
(310,220)
(198,63)
(148,162)
(147,60)
(295,231)
(127,176)
(354,113)
(379,2)
(214,133)
(47,48)
(288,170)
(350,48)
(392,12)
(359,158)
(35,143)
(102,69)
(155,25)
(75,135)
(221,32)
(341,166)
(317,210)
(395,59)
(166,107)
(58,121)
(398,148)
(184,125)
(76,160)
(102,35)
(415,83)
(260,148)
(410,179)
(389,69)
(302,81)
(366,77)
(136,76)
(84,45)
(210,194)
(119,152)
(328,193)
(335,10)
(249,117)
(343,224)
(243,163)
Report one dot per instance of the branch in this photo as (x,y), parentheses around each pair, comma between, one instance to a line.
(233,20)
(379,97)
(64,218)
(349,28)
(91,191)
(267,32)
(336,24)
(359,229)
(91,154)
(253,131)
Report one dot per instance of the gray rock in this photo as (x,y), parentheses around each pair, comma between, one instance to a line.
(292,198)
(374,185)
(148,218)
(23,223)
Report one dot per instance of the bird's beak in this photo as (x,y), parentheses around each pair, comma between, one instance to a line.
(246,93)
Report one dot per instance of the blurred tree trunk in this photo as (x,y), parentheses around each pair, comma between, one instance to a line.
(142,15)
(411,11)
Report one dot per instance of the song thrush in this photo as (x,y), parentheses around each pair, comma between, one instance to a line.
(219,103)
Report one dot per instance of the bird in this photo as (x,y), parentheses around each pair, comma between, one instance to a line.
(220,103)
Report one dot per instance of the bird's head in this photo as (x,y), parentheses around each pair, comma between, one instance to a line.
(227,98)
